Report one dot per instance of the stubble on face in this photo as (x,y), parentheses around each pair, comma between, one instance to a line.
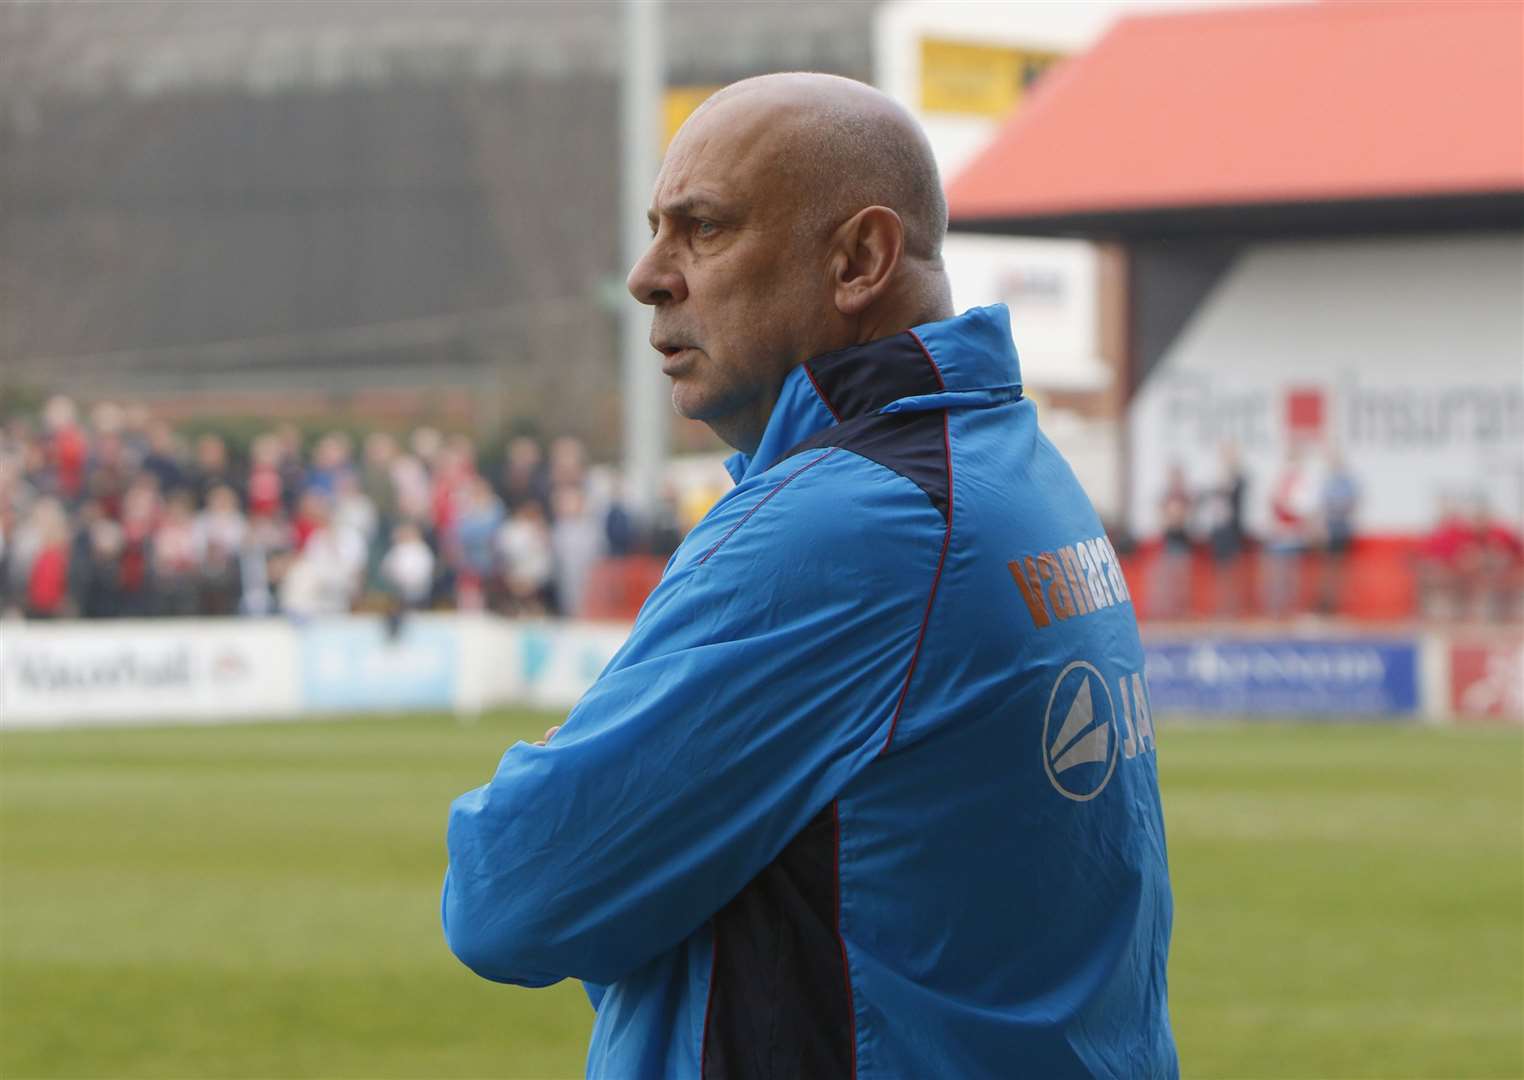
(753,295)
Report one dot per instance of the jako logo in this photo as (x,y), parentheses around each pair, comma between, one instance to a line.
(1080,750)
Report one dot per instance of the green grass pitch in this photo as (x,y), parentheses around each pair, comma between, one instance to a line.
(262,901)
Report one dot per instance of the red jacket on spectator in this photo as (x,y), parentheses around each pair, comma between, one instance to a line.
(1451,541)
(1498,539)
(48,583)
(302,528)
(68,453)
(264,491)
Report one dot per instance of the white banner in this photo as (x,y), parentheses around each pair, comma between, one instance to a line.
(207,670)
(217,670)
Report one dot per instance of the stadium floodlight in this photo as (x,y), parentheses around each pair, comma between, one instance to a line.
(647,412)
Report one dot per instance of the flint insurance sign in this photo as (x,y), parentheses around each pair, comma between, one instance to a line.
(128,671)
(1402,354)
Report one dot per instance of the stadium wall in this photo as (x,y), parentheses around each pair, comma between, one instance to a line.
(77,674)
(1400,352)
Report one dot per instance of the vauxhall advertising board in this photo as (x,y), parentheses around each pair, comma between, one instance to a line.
(130,671)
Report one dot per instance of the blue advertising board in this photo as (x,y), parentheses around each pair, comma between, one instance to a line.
(558,662)
(355,664)
(1285,676)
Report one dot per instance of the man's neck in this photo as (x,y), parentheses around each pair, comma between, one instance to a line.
(916,302)
(742,430)
(919,299)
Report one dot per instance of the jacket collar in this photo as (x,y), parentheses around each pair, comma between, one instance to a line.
(967,360)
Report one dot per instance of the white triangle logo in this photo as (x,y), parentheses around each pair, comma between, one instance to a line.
(1093,747)
(1084,737)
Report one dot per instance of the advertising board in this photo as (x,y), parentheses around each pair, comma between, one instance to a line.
(224,670)
(1332,678)
(145,671)
(559,661)
(356,664)
(1487,680)
(978,78)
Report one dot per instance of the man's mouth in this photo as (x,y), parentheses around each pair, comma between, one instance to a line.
(674,354)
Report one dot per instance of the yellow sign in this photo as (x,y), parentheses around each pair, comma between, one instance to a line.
(677,105)
(978,80)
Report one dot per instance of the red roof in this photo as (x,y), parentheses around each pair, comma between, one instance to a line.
(1266,105)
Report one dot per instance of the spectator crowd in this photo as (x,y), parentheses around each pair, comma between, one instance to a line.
(115,514)
(1470,566)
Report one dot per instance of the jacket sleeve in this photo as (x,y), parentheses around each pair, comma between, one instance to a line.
(761,675)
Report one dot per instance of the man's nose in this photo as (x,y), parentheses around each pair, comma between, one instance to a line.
(654,280)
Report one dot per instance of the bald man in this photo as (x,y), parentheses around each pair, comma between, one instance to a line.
(870,791)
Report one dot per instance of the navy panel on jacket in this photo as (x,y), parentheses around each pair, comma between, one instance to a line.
(779,1003)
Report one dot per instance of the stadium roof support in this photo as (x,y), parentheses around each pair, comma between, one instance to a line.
(1309,118)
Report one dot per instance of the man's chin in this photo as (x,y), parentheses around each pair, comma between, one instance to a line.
(691,404)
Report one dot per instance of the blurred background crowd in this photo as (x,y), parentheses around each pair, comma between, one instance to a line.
(110,512)
(114,513)
(1468,566)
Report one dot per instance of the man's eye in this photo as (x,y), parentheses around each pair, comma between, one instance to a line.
(705,228)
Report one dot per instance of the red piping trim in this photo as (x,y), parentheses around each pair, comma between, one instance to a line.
(764,501)
(821,393)
(941,561)
(714,953)
(846,969)
(929,359)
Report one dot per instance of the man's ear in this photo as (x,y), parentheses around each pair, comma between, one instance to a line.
(866,251)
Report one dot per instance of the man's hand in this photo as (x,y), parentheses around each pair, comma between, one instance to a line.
(548,733)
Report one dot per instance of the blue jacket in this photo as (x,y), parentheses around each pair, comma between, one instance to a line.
(870,790)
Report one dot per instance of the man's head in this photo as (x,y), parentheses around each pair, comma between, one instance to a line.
(794,214)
